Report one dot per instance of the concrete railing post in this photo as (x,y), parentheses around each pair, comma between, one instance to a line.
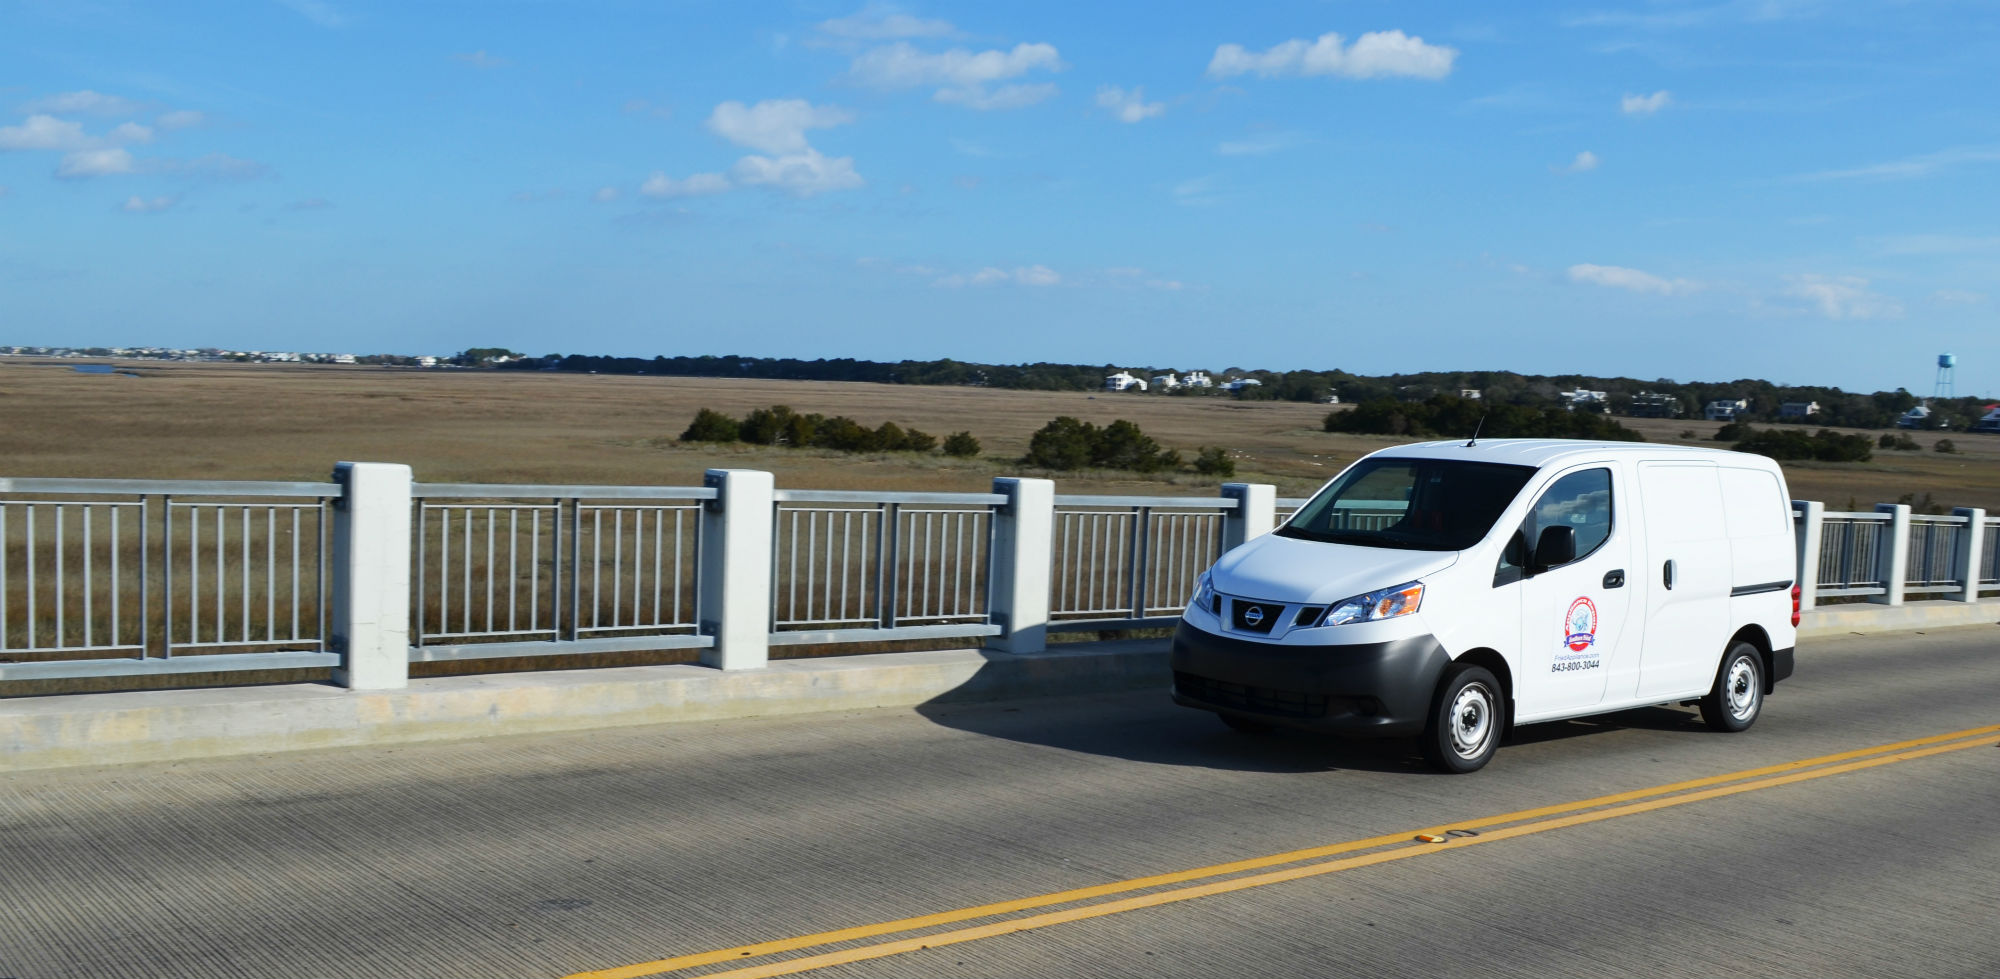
(1971,547)
(1255,514)
(1811,518)
(1023,532)
(370,623)
(735,582)
(1892,563)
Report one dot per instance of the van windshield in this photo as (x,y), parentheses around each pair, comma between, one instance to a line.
(1416,504)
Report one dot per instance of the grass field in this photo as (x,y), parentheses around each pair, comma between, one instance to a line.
(263,421)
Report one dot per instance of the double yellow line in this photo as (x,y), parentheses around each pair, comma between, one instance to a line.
(1187,885)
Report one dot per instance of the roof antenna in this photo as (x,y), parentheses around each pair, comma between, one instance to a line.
(1475,430)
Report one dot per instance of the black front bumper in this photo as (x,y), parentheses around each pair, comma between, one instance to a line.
(1377,689)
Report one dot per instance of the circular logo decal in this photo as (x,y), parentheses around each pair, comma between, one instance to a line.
(1254,614)
(1580,625)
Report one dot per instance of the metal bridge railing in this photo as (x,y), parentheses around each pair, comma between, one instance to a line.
(850,566)
(579,569)
(1989,556)
(108,577)
(1121,561)
(1932,553)
(1850,556)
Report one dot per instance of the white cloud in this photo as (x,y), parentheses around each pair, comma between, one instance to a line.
(661,185)
(1128,106)
(131,132)
(962,76)
(86,101)
(319,12)
(799,174)
(1004,97)
(1644,105)
(1842,297)
(180,119)
(877,22)
(1585,162)
(1259,144)
(1630,280)
(45,132)
(774,125)
(140,205)
(480,59)
(1950,297)
(94,163)
(1029,275)
(1911,167)
(901,66)
(1377,54)
(605,195)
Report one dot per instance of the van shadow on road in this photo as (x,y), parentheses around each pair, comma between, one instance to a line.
(1146,726)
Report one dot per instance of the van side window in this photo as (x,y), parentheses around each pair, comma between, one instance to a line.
(1581,500)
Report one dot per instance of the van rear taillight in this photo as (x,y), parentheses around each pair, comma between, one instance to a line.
(1795,606)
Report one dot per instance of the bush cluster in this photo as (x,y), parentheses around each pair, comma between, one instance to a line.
(1789,444)
(1454,417)
(780,425)
(1068,443)
(1898,442)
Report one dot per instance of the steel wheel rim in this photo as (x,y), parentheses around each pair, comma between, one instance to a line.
(1471,720)
(1740,688)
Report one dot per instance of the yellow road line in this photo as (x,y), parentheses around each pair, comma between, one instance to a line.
(1568,814)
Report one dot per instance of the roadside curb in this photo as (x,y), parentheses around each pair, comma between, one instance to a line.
(1865,619)
(168,725)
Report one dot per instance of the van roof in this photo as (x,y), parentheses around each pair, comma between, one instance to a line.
(1542,453)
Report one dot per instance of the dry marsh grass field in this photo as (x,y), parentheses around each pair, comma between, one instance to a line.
(263,421)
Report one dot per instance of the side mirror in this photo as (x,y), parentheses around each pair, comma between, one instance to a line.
(1555,546)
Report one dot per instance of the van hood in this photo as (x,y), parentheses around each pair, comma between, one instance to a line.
(1286,569)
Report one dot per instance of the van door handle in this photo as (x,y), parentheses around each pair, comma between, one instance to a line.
(1614,579)
(1667,575)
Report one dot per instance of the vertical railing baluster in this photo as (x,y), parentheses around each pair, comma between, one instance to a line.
(61,585)
(489,569)
(465,571)
(444,570)
(513,563)
(575,568)
(89,583)
(422,610)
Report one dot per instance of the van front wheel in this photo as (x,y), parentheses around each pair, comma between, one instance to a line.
(1738,695)
(1466,720)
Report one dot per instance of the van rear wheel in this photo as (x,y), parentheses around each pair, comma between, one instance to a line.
(1738,695)
(1466,720)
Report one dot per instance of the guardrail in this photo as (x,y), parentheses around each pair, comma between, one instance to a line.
(108,577)
(373,571)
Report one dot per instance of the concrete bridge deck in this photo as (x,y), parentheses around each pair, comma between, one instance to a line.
(560,853)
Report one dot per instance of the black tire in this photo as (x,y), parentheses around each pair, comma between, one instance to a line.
(1247,725)
(1467,718)
(1738,695)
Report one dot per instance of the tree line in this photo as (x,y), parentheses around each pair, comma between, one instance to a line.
(1838,408)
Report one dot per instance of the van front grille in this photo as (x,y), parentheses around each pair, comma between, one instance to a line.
(1257,700)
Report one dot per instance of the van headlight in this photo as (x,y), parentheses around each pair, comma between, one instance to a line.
(1204,593)
(1385,603)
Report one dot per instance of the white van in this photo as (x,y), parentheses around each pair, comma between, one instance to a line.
(1451,590)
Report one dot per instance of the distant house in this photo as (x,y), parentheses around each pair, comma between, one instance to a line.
(1471,394)
(1239,383)
(1166,382)
(1725,410)
(1197,379)
(1918,417)
(1647,404)
(1989,422)
(1122,381)
(1332,399)
(1587,400)
(1798,410)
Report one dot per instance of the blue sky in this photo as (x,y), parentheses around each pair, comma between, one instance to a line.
(1801,190)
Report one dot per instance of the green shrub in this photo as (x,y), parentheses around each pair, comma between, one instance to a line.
(1945,445)
(1791,444)
(891,438)
(1214,461)
(961,445)
(845,434)
(1064,443)
(915,440)
(710,425)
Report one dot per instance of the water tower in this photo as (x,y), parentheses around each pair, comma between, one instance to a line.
(1947,363)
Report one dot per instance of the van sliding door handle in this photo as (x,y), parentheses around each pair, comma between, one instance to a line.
(1667,575)
(1614,579)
